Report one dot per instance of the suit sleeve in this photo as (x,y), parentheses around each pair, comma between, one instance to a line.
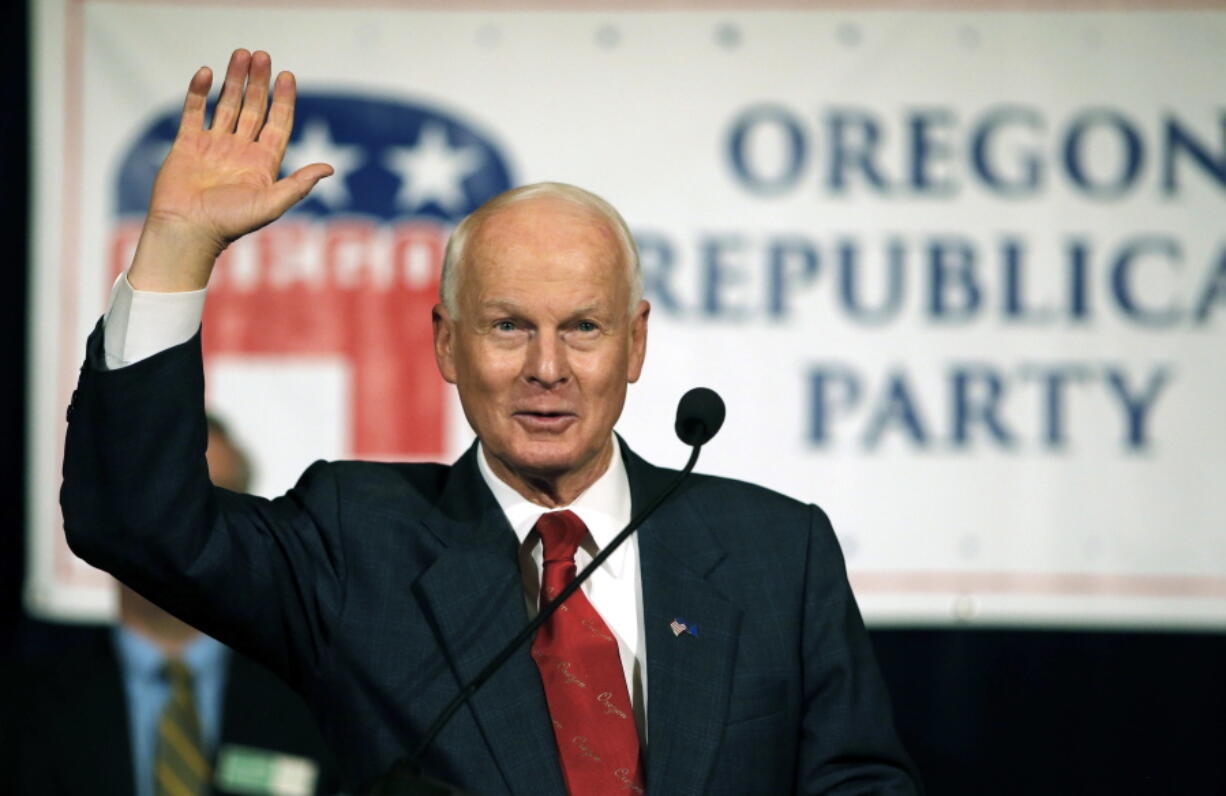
(848,743)
(265,577)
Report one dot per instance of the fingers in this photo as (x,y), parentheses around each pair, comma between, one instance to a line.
(255,102)
(280,122)
(197,99)
(230,101)
(289,191)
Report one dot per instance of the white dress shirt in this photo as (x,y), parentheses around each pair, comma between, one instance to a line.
(139,324)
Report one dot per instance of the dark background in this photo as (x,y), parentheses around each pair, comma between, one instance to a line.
(982,711)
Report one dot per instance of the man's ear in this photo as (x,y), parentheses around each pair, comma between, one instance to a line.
(638,341)
(444,342)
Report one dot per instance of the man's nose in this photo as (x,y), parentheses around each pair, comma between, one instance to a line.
(547,362)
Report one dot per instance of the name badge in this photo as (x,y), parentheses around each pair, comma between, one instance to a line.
(263,772)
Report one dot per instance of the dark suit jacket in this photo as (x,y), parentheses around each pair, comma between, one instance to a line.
(376,589)
(72,724)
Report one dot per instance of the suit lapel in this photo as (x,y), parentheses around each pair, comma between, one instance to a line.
(689,672)
(473,594)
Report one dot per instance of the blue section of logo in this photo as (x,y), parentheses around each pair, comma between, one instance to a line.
(393,160)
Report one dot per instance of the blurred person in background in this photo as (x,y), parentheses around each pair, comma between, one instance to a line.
(153,707)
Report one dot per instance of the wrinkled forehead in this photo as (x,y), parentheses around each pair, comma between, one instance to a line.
(544,233)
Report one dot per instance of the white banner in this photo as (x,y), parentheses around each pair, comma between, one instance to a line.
(960,277)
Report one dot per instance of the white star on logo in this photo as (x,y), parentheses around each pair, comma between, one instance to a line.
(315,145)
(432,171)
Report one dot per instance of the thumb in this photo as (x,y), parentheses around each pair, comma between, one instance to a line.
(289,191)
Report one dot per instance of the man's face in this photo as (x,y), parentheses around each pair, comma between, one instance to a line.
(543,347)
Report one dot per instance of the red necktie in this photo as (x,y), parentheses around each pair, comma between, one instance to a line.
(581,669)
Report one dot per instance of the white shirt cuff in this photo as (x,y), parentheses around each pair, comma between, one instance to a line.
(141,323)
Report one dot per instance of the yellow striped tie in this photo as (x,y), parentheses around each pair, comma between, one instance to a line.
(181,768)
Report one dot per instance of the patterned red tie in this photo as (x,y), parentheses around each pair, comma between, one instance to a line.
(582,672)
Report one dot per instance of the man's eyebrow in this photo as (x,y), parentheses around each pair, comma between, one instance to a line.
(502,304)
(589,309)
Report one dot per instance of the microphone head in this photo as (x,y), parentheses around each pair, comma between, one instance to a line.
(699,416)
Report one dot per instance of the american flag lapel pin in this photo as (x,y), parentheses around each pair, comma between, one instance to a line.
(680,626)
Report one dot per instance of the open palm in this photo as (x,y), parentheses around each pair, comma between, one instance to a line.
(220,182)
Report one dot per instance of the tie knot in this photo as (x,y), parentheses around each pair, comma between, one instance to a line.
(561,532)
(177,672)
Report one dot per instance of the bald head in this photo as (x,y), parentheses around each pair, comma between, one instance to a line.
(572,203)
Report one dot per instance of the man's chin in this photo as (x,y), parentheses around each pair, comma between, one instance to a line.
(546,458)
(543,464)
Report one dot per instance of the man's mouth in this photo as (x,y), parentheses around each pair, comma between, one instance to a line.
(544,421)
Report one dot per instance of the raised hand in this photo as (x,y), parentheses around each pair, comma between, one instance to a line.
(219,183)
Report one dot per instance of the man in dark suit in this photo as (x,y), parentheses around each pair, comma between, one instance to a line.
(91,721)
(73,737)
(722,652)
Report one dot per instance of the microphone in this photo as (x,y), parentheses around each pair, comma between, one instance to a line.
(700,414)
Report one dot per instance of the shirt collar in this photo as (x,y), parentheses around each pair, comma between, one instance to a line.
(604,506)
(143,659)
